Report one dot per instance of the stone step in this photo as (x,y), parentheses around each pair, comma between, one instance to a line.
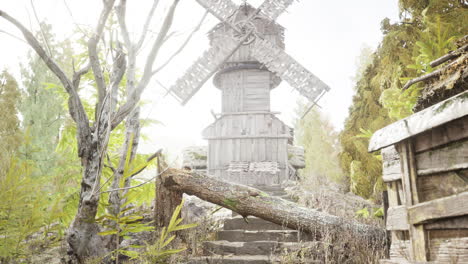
(232,259)
(267,248)
(258,235)
(247,259)
(253,223)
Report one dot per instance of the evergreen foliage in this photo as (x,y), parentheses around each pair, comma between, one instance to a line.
(10,134)
(426,32)
(316,134)
(42,106)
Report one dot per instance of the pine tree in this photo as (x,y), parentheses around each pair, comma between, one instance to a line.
(10,134)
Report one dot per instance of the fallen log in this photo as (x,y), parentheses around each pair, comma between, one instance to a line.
(248,201)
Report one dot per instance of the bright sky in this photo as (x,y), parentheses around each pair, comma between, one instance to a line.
(324,36)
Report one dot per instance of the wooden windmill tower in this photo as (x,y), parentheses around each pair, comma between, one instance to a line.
(248,144)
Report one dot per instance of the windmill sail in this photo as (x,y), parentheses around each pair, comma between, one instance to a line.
(273,8)
(222,9)
(288,69)
(203,68)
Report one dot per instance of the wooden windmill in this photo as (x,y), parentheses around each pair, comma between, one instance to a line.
(248,144)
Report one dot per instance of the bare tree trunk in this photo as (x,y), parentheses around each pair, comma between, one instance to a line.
(249,201)
(166,200)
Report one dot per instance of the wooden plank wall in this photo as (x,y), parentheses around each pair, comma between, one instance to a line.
(427,183)
(246,90)
(251,137)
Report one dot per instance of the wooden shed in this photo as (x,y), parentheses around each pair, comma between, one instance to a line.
(425,167)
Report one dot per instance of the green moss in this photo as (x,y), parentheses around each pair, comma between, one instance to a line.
(230,203)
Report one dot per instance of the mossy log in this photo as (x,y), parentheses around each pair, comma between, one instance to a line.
(248,201)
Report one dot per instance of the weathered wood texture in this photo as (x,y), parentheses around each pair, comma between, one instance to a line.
(245,90)
(439,136)
(427,183)
(449,158)
(444,247)
(259,137)
(397,218)
(442,185)
(391,165)
(249,201)
(455,205)
(425,120)
(417,233)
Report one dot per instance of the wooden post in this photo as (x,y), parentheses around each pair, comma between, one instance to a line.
(418,236)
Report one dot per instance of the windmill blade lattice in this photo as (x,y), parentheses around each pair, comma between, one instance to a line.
(288,69)
(202,69)
(222,9)
(272,9)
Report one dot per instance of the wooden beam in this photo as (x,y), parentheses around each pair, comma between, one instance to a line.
(439,136)
(452,157)
(455,205)
(397,218)
(418,235)
(456,223)
(441,113)
(391,165)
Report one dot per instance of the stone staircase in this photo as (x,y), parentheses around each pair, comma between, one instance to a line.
(254,241)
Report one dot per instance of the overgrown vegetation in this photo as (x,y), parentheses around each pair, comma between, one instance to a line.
(426,31)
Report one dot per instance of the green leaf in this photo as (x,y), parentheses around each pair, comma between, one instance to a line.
(107,233)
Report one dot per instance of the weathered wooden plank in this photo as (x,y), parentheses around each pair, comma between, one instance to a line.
(440,185)
(448,246)
(431,117)
(451,157)
(391,165)
(401,193)
(439,136)
(397,218)
(457,223)
(392,194)
(417,233)
(455,205)
(442,249)
(248,137)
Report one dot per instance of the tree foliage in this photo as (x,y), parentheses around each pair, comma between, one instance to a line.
(425,32)
(10,138)
(316,134)
(42,106)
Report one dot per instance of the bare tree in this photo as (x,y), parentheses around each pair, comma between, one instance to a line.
(93,138)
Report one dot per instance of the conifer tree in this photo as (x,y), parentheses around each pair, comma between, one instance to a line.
(10,135)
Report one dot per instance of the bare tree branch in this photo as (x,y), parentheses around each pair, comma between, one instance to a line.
(139,185)
(181,46)
(73,19)
(13,36)
(77,75)
(76,108)
(147,23)
(430,75)
(46,41)
(133,99)
(121,10)
(93,53)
